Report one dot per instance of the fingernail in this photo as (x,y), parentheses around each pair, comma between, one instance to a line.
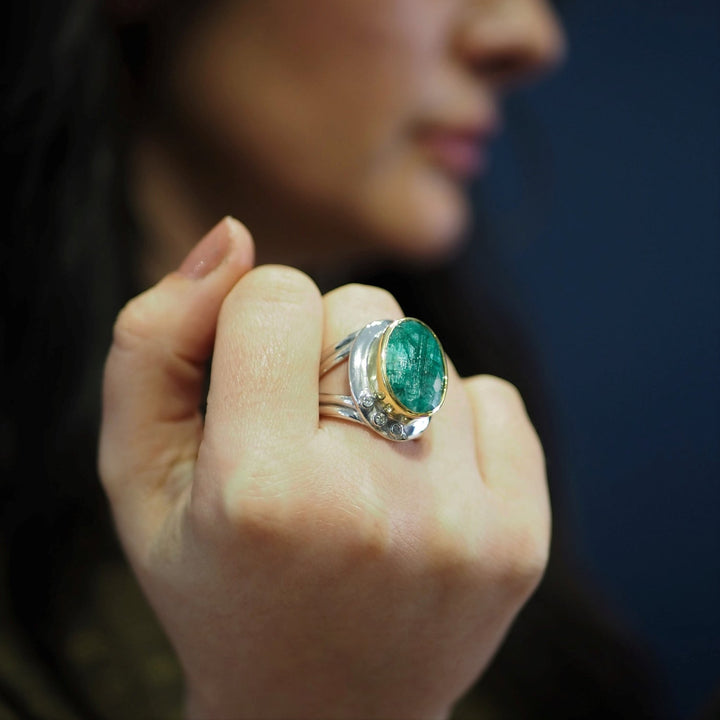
(210,251)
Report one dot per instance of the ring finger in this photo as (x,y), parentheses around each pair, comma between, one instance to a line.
(350,308)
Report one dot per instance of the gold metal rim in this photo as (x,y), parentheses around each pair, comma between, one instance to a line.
(384,386)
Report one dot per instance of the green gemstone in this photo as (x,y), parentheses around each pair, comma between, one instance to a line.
(415,369)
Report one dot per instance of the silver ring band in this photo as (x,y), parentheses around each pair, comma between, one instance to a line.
(337,353)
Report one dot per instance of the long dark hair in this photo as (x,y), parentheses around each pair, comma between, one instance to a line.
(69,256)
(67,260)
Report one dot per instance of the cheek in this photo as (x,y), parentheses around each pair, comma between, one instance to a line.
(413,209)
(321,98)
(308,83)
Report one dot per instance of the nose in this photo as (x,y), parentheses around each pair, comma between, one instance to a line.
(511,41)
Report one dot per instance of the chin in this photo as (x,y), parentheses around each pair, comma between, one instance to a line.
(427,227)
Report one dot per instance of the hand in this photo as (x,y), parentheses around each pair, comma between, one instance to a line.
(308,568)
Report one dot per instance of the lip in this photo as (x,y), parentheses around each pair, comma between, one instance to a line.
(461,149)
(462,154)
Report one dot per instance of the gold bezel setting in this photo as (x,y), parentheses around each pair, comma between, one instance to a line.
(395,405)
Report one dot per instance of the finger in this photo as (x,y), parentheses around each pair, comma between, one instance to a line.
(264,379)
(347,309)
(509,452)
(154,375)
(451,430)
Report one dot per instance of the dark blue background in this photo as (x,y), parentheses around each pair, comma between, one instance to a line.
(607,190)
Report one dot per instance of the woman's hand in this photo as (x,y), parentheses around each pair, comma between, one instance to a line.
(308,568)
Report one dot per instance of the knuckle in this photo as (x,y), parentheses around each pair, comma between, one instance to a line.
(270,291)
(280,284)
(257,522)
(253,501)
(502,401)
(526,549)
(270,509)
(365,536)
(496,390)
(134,324)
(363,297)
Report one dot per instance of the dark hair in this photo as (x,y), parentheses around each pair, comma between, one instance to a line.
(69,255)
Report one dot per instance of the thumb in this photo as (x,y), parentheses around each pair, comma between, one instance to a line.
(155,371)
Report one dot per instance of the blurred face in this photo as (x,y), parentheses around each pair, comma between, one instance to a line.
(371,112)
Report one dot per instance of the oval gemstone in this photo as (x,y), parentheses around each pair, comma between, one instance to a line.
(415,369)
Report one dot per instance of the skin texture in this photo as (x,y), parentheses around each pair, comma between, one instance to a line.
(304,567)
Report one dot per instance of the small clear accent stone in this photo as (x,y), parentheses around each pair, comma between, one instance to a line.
(367,401)
(397,430)
(380,419)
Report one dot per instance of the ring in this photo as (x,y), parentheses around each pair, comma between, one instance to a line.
(398,378)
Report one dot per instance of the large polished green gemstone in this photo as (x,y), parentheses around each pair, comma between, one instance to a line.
(415,369)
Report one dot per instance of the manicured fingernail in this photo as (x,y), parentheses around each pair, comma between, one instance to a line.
(209,252)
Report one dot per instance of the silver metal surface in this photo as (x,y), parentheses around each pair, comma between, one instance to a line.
(336,354)
(341,406)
